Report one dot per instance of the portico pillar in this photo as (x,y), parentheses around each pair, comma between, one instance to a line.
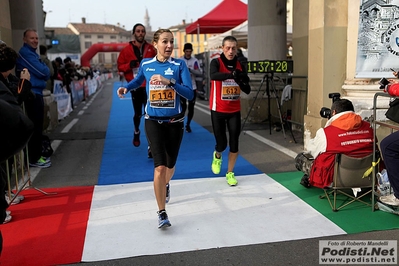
(26,14)
(328,23)
(267,40)
(267,29)
(300,43)
(5,22)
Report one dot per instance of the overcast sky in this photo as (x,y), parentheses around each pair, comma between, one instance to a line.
(163,14)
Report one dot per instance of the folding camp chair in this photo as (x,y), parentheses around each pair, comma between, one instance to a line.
(349,173)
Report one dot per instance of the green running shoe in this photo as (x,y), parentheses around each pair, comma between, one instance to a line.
(216,164)
(231,180)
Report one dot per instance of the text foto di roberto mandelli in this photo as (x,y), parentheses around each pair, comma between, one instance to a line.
(358,251)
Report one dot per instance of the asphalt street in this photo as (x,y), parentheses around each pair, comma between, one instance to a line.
(78,142)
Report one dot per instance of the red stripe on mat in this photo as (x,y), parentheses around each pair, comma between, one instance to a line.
(47,229)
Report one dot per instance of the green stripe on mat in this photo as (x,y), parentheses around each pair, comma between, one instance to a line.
(354,218)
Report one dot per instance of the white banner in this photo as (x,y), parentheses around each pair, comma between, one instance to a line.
(92,84)
(378,39)
(63,99)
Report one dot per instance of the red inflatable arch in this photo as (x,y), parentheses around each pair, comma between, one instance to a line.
(100,47)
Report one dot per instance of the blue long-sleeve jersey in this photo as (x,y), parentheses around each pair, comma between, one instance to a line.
(39,72)
(162,100)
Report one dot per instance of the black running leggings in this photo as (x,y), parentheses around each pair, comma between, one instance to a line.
(164,140)
(139,100)
(191,104)
(219,123)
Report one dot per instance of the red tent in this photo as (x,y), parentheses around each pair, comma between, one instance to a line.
(225,16)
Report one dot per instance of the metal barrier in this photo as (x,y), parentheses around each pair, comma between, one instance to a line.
(19,175)
(17,170)
(17,167)
(299,95)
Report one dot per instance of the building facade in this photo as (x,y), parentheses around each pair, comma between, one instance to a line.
(325,40)
(199,41)
(92,33)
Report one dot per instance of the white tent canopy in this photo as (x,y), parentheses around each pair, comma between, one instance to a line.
(241,34)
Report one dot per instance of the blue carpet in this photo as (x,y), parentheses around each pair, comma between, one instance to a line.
(124,163)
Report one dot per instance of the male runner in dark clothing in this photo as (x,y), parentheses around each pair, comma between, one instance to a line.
(128,62)
(228,79)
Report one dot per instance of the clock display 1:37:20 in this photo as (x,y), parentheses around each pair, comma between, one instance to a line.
(265,66)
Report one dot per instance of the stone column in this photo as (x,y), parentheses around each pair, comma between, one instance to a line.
(267,29)
(300,43)
(267,39)
(5,22)
(26,14)
(328,23)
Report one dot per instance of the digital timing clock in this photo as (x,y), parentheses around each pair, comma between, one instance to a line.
(270,66)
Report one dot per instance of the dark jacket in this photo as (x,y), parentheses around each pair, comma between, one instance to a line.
(16,127)
(21,89)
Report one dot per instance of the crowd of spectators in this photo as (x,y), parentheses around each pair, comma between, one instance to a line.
(67,70)
(16,127)
(24,75)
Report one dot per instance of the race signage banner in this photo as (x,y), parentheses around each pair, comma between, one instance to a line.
(378,39)
(77,89)
(63,99)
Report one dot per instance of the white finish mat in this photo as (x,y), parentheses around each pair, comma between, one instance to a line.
(205,213)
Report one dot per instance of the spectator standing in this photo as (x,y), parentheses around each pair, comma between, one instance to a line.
(69,74)
(129,62)
(16,128)
(69,60)
(390,153)
(57,71)
(345,132)
(39,74)
(44,58)
(241,57)
(164,119)
(195,71)
(228,79)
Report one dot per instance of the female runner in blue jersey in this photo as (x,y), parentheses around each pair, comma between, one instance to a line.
(168,79)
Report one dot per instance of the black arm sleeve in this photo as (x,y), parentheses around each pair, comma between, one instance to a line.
(245,87)
(214,71)
(244,80)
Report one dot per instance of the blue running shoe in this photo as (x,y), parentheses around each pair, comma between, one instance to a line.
(167,193)
(163,220)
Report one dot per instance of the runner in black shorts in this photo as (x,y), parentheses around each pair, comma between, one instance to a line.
(139,100)
(128,63)
(228,79)
(168,81)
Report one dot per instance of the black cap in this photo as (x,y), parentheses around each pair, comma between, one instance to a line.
(135,26)
(188,46)
(58,60)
